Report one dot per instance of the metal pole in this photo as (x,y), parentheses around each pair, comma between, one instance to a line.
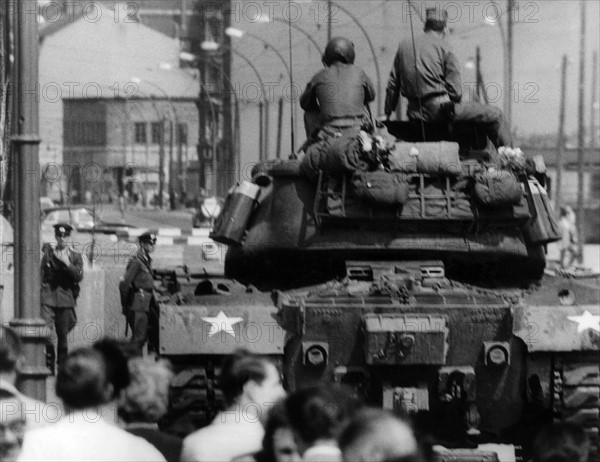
(329,25)
(310,38)
(561,134)
(26,142)
(594,100)
(581,136)
(237,137)
(261,132)
(161,162)
(180,176)
(509,61)
(477,81)
(171,185)
(279,126)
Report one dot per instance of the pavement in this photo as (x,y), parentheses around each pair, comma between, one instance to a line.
(146,218)
(591,256)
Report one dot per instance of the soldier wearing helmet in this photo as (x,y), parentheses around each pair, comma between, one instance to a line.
(137,290)
(336,99)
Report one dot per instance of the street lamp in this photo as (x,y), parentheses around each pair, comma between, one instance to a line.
(508,55)
(174,120)
(189,57)
(237,33)
(302,31)
(370,43)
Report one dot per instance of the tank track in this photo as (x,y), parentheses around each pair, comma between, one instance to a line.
(194,399)
(576,395)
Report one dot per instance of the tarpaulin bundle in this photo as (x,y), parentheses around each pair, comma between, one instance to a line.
(438,158)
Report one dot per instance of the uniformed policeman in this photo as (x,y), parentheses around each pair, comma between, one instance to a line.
(137,290)
(62,270)
(337,96)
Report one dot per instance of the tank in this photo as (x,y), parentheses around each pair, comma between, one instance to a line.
(441,310)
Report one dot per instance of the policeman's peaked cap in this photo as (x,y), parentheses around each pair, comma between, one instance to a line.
(339,49)
(62,229)
(148,237)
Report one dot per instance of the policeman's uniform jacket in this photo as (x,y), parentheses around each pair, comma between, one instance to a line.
(138,278)
(60,282)
(338,91)
(435,79)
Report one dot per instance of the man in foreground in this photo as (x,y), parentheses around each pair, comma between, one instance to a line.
(251,385)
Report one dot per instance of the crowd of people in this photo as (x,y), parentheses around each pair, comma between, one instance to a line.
(113,398)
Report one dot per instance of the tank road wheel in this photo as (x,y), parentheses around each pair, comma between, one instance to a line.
(576,394)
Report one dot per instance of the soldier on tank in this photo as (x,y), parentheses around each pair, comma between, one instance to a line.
(433,84)
(137,290)
(337,97)
(62,270)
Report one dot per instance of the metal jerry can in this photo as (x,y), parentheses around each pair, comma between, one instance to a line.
(231,225)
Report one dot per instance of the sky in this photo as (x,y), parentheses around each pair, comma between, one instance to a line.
(543,32)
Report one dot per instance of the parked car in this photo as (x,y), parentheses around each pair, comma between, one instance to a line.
(81,219)
(207,211)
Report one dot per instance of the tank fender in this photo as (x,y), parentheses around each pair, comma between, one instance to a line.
(558,328)
(220,329)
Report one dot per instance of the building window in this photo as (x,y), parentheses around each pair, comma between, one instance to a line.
(140,132)
(85,133)
(182,133)
(594,186)
(157,132)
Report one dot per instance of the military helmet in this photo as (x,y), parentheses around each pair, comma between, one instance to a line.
(339,49)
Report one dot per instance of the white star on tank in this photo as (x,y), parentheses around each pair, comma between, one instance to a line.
(586,321)
(221,323)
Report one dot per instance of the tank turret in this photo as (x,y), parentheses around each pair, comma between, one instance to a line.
(306,224)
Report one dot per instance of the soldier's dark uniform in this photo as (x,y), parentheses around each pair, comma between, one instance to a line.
(338,95)
(435,81)
(59,292)
(138,288)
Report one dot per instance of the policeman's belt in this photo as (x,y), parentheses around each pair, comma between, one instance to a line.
(148,291)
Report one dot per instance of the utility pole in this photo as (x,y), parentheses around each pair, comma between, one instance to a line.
(329,21)
(161,162)
(171,158)
(261,132)
(279,126)
(581,135)
(560,143)
(594,100)
(26,142)
(509,58)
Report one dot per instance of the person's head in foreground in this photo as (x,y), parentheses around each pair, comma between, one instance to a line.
(561,442)
(146,399)
(278,444)
(250,382)
(375,435)
(317,414)
(92,376)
